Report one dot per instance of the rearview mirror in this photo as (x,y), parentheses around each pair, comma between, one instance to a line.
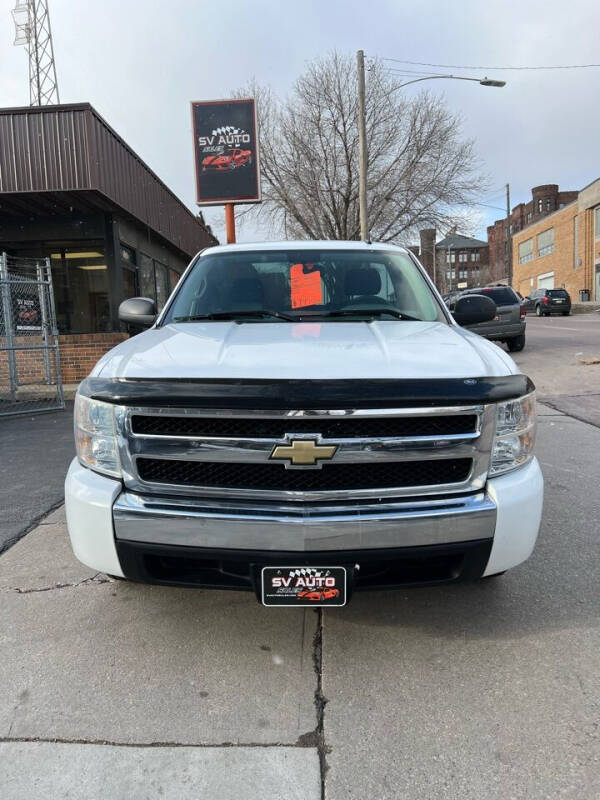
(473,308)
(138,311)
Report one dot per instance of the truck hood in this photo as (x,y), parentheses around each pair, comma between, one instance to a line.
(313,351)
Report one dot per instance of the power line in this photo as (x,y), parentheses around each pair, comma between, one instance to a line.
(462,66)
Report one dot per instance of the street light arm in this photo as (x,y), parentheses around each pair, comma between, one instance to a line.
(482,81)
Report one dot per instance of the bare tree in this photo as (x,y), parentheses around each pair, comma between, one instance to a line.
(421,171)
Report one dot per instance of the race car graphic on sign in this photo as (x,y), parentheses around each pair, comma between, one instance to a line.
(304,586)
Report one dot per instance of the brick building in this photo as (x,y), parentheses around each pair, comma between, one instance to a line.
(561,248)
(545,200)
(73,191)
(461,262)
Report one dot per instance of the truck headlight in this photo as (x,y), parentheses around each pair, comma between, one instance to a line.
(95,436)
(515,434)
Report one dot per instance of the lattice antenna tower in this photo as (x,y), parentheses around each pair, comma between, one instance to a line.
(32,30)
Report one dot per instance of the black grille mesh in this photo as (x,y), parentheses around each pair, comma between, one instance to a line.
(350,427)
(330,477)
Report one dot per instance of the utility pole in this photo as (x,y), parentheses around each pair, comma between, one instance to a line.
(508,254)
(362,145)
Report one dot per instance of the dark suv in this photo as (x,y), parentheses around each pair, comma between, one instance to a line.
(549,301)
(509,323)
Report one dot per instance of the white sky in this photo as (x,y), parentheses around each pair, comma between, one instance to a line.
(140,62)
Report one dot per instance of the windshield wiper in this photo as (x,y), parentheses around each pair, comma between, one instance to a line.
(216,315)
(372,312)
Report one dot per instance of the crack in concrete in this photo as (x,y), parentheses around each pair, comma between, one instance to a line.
(318,735)
(94,579)
(108,743)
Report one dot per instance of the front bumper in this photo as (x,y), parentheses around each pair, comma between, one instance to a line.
(158,539)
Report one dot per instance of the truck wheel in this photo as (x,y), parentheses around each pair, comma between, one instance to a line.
(516,344)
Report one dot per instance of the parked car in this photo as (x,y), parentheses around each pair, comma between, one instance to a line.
(298,406)
(230,159)
(508,324)
(544,302)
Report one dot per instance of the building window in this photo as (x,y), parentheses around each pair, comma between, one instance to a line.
(597,222)
(450,258)
(575,241)
(153,278)
(540,206)
(448,274)
(545,242)
(127,254)
(475,255)
(529,217)
(173,278)
(146,276)
(80,279)
(462,273)
(526,251)
(162,285)
(548,204)
(463,257)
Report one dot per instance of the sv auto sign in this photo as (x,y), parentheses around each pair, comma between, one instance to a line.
(226,152)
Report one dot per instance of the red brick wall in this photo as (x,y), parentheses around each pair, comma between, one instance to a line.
(80,351)
(78,354)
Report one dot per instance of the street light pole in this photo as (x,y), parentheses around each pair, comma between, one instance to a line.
(362,132)
(508,252)
(362,146)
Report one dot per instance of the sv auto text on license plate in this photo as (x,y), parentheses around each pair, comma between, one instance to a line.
(303,586)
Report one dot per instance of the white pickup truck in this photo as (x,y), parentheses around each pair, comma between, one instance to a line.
(305,420)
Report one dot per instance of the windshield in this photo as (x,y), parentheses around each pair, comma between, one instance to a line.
(502,295)
(301,285)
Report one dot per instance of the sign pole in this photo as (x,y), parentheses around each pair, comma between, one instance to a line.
(230,222)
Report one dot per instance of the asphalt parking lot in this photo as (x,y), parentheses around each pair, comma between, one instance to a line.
(111,689)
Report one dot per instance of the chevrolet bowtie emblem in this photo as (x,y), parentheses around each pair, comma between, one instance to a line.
(303,452)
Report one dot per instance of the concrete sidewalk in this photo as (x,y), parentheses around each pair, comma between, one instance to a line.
(117,690)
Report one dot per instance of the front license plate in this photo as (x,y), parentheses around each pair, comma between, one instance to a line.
(303,586)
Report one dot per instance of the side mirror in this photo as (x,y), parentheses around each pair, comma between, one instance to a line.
(138,311)
(473,308)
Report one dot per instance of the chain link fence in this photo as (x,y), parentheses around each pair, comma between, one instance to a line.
(30,377)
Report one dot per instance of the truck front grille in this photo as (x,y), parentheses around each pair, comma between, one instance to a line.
(378,453)
(331,477)
(327,427)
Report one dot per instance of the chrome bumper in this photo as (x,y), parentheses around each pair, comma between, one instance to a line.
(203,523)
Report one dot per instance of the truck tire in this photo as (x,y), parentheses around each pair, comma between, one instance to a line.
(516,344)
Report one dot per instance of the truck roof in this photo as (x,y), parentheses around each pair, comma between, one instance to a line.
(326,244)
